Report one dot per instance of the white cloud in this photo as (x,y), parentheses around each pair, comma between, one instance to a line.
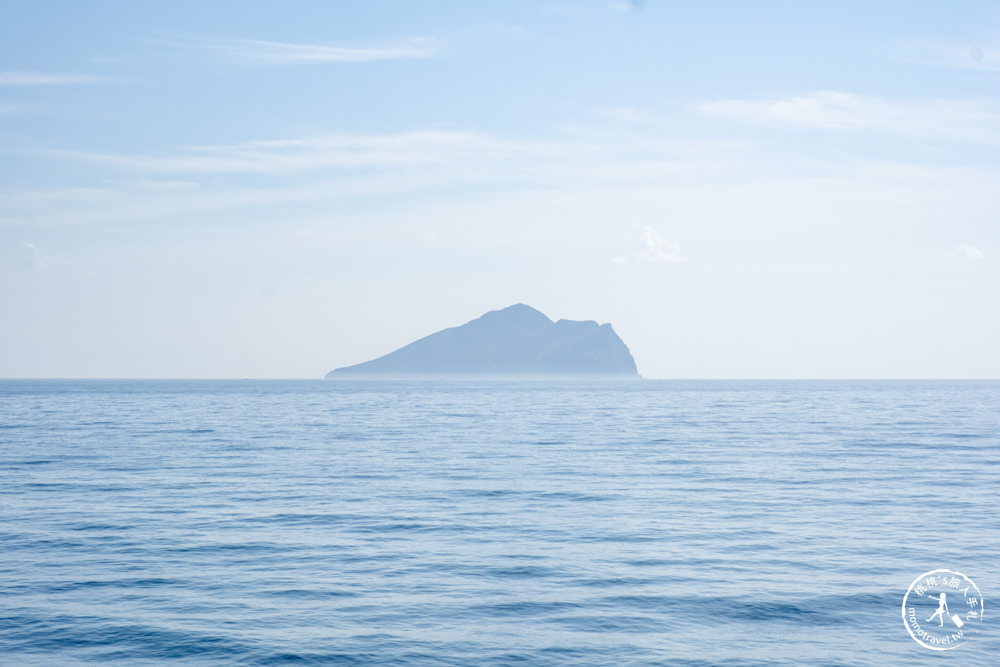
(619,260)
(20,78)
(968,252)
(311,153)
(655,248)
(279,53)
(831,110)
(34,259)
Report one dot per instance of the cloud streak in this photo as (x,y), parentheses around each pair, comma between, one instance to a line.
(832,110)
(628,5)
(25,78)
(270,179)
(953,55)
(262,52)
(183,182)
(628,115)
(312,153)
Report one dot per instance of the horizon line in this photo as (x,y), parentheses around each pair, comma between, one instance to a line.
(500,377)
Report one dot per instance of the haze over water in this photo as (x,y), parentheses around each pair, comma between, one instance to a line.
(490,523)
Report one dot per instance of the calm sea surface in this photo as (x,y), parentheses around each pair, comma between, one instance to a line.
(476,523)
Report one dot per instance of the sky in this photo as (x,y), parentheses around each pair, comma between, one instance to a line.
(252,189)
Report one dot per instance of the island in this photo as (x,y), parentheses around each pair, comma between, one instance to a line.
(512,342)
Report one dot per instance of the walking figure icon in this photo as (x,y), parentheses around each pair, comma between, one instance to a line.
(941,610)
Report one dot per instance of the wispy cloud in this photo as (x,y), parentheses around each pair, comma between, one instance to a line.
(628,115)
(831,110)
(33,258)
(268,178)
(311,153)
(952,55)
(968,252)
(337,167)
(24,78)
(655,248)
(261,52)
(326,168)
(628,5)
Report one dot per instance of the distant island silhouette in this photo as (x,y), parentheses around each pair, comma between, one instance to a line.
(517,340)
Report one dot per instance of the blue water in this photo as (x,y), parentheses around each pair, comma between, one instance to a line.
(453,523)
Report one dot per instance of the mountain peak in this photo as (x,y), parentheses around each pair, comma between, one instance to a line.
(519,315)
(516,340)
(520,309)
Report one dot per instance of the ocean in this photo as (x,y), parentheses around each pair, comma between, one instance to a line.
(690,523)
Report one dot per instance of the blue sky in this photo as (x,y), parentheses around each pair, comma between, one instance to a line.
(261,189)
